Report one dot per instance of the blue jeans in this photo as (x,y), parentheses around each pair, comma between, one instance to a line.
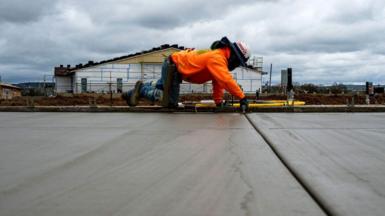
(153,91)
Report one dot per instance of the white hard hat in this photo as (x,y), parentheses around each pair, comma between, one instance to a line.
(243,48)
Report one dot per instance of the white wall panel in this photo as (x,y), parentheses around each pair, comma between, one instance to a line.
(63,84)
(99,78)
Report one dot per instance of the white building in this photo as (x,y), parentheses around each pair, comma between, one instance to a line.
(120,74)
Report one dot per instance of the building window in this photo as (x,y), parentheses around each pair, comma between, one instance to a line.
(119,86)
(84,85)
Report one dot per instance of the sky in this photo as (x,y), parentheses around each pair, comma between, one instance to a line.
(324,41)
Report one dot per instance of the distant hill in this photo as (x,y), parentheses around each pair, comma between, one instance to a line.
(356,87)
(35,85)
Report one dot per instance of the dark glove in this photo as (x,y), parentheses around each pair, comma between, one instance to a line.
(221,104)
(244,104)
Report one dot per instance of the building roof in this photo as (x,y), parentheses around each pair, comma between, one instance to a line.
(5,85)
(63,71)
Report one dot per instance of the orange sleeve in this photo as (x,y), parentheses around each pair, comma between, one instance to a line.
(218,92)
(217,65)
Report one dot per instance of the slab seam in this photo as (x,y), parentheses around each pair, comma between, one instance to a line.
(296,176)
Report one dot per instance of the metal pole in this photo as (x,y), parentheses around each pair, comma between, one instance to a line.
(110,89)
(271,70)
(44,86)
(54,90)
(289,79)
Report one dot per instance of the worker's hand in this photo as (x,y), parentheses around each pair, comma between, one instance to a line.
(244,104)
(220,106)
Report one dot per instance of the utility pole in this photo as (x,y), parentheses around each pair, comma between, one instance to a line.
(110,89)
(271,70)
(44,86)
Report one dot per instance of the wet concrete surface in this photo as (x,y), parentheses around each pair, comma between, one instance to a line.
(167,164)
(190,108)
(340,156)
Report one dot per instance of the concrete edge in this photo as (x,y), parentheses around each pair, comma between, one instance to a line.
(308,187)
(295,109)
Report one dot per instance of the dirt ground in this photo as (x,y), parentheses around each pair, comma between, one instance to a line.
(98,99)
(318,99)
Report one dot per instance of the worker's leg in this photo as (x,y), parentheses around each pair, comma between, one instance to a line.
(150,92)
(155,91)
(161,82)
(170,84)
(146,90)
(175,88)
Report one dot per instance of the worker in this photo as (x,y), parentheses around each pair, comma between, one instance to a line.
(195,66)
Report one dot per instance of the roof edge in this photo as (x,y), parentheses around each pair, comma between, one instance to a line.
(65,71)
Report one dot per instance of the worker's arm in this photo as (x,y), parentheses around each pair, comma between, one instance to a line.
(218,92)
(217,65)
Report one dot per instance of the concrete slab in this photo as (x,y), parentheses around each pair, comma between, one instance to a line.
(340,156)
(142,164)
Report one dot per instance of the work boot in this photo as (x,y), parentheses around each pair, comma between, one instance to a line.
(167,85)
(126,96)
(132,97)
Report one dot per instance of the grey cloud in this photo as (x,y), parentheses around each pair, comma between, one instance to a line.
(21,11)
(322,42)
(163,15)
(330,37)
(326,68)
(352,14)
(158,21)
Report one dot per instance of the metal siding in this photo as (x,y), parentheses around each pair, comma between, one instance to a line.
(101,77)
(63,84)
(249,79)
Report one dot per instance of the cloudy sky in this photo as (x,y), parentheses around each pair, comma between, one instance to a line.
(324,41)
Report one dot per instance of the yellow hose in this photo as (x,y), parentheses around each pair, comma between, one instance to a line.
(270,103)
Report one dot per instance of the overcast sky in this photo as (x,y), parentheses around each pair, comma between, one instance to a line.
(324,41)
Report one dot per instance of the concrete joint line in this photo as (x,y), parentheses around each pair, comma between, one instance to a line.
(309,190)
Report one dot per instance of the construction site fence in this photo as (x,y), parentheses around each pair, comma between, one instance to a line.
(248,86)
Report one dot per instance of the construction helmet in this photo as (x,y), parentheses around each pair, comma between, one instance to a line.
(243,48)
(239,52)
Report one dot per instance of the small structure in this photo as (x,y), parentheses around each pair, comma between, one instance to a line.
(37,88)
(8,91)
(286,80)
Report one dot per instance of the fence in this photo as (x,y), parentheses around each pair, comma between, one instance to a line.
(118,78)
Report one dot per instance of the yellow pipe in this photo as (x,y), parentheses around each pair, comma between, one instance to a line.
(272,103)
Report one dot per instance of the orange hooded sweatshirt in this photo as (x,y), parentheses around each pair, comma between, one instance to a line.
(200,66)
